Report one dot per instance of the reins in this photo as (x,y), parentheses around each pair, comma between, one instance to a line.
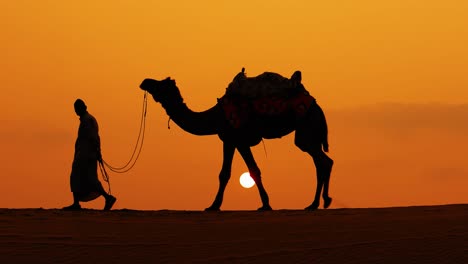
(136,151)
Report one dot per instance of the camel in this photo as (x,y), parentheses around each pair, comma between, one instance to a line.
(251,121)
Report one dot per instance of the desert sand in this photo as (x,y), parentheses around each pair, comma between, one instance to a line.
(422,234)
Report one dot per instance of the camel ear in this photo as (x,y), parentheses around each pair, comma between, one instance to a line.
(168,78)
(296,77)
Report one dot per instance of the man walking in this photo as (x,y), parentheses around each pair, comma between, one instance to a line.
(84,181)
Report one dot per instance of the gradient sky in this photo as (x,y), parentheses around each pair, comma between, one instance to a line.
(390,75)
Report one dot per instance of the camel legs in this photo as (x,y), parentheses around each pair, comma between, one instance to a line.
(323,166)
(254,171)
(224,176)
(306,141)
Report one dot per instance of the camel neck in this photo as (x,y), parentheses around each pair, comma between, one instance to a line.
(197,123)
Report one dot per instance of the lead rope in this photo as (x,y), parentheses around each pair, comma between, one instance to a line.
(264,148)
(137,150)
(105,176)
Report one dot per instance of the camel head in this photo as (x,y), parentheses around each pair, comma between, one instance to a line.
(164,91)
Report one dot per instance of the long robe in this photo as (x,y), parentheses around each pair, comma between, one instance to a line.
(84,180)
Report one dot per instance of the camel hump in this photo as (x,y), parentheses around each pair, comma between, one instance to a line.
(267,84)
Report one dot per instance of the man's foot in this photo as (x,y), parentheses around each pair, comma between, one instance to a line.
(212,209)
(327,201)
(73,207)
(110,201)
(265,208)
(313,206)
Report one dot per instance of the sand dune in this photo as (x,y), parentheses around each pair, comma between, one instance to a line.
(425,234)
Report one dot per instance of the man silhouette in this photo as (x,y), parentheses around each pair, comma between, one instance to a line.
(84,181)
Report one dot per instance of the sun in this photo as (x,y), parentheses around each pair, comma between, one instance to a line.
(246,181)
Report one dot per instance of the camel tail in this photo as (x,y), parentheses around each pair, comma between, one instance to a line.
(323,129)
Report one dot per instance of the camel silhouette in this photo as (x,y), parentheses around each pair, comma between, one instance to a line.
(267,106)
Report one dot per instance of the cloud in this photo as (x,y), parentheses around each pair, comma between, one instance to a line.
(442,174)
(31,133)
(398,118)
(426,138)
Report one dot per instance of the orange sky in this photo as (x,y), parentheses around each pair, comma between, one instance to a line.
(390,75)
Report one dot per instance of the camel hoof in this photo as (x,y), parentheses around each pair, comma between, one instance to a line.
(212,209)
(312,207)
(327,202)
(265,208)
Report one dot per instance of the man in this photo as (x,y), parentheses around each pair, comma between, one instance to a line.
(84,181)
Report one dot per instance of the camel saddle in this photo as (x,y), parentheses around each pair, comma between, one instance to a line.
(267,84)
(268,94)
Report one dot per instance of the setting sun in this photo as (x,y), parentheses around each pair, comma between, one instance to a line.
(246,181)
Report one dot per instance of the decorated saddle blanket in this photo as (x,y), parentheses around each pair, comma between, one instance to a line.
(266,95)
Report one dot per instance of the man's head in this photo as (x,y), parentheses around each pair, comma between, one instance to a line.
(80,107)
